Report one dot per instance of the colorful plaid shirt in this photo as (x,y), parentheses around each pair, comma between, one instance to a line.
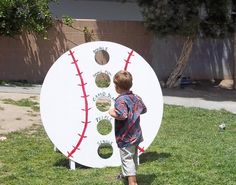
(128,106)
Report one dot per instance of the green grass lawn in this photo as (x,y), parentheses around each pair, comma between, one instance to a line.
(188,150)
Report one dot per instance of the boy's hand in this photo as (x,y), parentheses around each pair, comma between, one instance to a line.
(112,112)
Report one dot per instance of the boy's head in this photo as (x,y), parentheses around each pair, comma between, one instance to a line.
(123,80)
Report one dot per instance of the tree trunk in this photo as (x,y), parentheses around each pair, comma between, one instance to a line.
(234,55)
(181,63)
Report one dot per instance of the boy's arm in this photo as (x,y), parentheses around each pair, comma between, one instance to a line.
(144,108)
(113,114)
(143,105)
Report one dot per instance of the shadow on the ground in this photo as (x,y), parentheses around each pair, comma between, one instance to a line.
(206,91)
(153,156)
(145,157)
(145,179)
(65,163)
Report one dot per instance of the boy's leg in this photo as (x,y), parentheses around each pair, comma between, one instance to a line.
(136,159)
(132,180)
(129,163)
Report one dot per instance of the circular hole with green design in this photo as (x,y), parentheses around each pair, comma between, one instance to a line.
(104,127)
(105,150)
(102,57)
(102,80)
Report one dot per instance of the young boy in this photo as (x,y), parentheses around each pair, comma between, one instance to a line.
(126,111)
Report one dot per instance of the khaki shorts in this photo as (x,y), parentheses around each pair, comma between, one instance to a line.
(129,160)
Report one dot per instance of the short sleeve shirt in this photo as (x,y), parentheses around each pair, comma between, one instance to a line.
(128,107)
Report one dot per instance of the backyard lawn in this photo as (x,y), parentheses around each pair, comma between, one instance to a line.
(188,150)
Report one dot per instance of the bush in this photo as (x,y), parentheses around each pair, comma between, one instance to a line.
(17,16)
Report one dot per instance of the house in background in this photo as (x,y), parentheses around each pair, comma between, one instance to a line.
(97,9)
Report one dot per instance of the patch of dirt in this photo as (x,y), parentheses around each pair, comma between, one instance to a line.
(13,117)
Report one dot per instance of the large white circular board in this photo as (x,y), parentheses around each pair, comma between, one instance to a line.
(77,93)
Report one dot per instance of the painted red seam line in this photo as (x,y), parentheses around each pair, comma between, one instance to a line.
(81,84)
(127,61)
(140,149)
(86,109)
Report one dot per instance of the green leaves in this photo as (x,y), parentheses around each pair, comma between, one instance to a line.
(17,16)
(183,17)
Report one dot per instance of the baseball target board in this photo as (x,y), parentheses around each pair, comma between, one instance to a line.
(77,93)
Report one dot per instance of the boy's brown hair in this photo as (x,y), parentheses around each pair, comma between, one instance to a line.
(123,79)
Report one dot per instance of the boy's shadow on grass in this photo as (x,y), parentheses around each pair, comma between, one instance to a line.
(145,179)
(145,157)
(153,156)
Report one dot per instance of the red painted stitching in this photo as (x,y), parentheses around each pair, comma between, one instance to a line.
(140,149)
(127,61)
(86,109)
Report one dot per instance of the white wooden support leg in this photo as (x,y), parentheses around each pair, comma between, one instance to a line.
(72,164)
(55,148)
